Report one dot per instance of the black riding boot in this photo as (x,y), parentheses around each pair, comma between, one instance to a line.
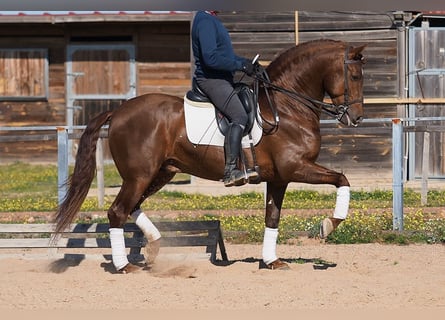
(232,146)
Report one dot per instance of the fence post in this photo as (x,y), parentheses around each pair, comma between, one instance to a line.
(62,163)
(425,168)
(397,169)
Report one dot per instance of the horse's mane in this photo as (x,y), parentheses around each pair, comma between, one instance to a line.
(304,49)
(300,54)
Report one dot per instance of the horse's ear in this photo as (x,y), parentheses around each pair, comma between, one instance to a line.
(356,53)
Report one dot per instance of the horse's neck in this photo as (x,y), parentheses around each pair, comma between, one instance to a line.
(289,108)
(308,84)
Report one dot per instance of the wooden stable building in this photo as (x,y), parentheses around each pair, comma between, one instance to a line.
(62,69)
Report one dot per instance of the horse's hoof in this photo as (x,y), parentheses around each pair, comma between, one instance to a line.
(129,268)
(152,251)
(278,265)
(326,227)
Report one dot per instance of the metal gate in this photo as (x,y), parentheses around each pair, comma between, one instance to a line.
(426,79)
(98,78)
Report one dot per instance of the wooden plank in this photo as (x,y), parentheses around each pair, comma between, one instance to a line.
(166,241)
(165,82)
(182,233)
(418,100)
(188,241)
(424,128)
(64,243)
(396,100)
(187,225)
(356,131)
(40,137)
(319,20)
(178,91)
(264,38)
(25,228)
(53,20)
(178,241)
(104,227)
(257,21)
(359,36)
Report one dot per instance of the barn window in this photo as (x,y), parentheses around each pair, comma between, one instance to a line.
(23,74)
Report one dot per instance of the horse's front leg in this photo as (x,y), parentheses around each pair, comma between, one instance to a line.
(274,201)
(329,224)
(316,174)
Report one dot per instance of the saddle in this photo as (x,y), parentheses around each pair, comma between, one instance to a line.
(252,130)
(244,94)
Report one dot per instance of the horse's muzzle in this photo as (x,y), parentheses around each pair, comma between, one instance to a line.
(349,116)
(357,121)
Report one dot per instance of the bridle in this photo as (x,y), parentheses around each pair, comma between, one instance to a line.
(342,109)
(337,111)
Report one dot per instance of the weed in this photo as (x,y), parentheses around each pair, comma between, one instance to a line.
(26,187)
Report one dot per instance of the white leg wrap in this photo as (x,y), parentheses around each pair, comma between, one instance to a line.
(148,228)
(342,203)
(270,245)
(118,251)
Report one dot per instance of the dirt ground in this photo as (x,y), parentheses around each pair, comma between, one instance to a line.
(366,277)
(362,278)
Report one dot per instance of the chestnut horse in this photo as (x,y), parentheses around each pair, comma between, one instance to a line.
(149,144)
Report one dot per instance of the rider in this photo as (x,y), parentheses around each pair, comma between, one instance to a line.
(216,63)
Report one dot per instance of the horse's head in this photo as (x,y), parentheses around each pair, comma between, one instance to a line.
(346,86)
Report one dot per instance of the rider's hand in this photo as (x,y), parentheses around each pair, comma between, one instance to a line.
(253,69)
(249,68)
(259,69)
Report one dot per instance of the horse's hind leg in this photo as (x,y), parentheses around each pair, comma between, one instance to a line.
(143,222)
(126,200)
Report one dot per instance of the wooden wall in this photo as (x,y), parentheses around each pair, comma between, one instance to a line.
(358,150)
(163,65)
(367,148)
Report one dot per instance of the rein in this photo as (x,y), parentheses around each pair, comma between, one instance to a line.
(335,111)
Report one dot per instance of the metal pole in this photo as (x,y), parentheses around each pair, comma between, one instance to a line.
(192,72)
(397,171)
(425,168)
(62,163)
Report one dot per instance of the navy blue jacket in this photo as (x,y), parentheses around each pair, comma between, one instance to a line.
(212,49)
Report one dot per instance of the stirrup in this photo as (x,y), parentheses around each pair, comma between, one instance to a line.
(253,177)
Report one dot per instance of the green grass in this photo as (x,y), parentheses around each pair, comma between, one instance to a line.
(26,187)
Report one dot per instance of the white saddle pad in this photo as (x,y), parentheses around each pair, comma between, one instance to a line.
(201,126)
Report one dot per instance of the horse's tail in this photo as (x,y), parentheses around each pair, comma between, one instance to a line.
(83,175)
